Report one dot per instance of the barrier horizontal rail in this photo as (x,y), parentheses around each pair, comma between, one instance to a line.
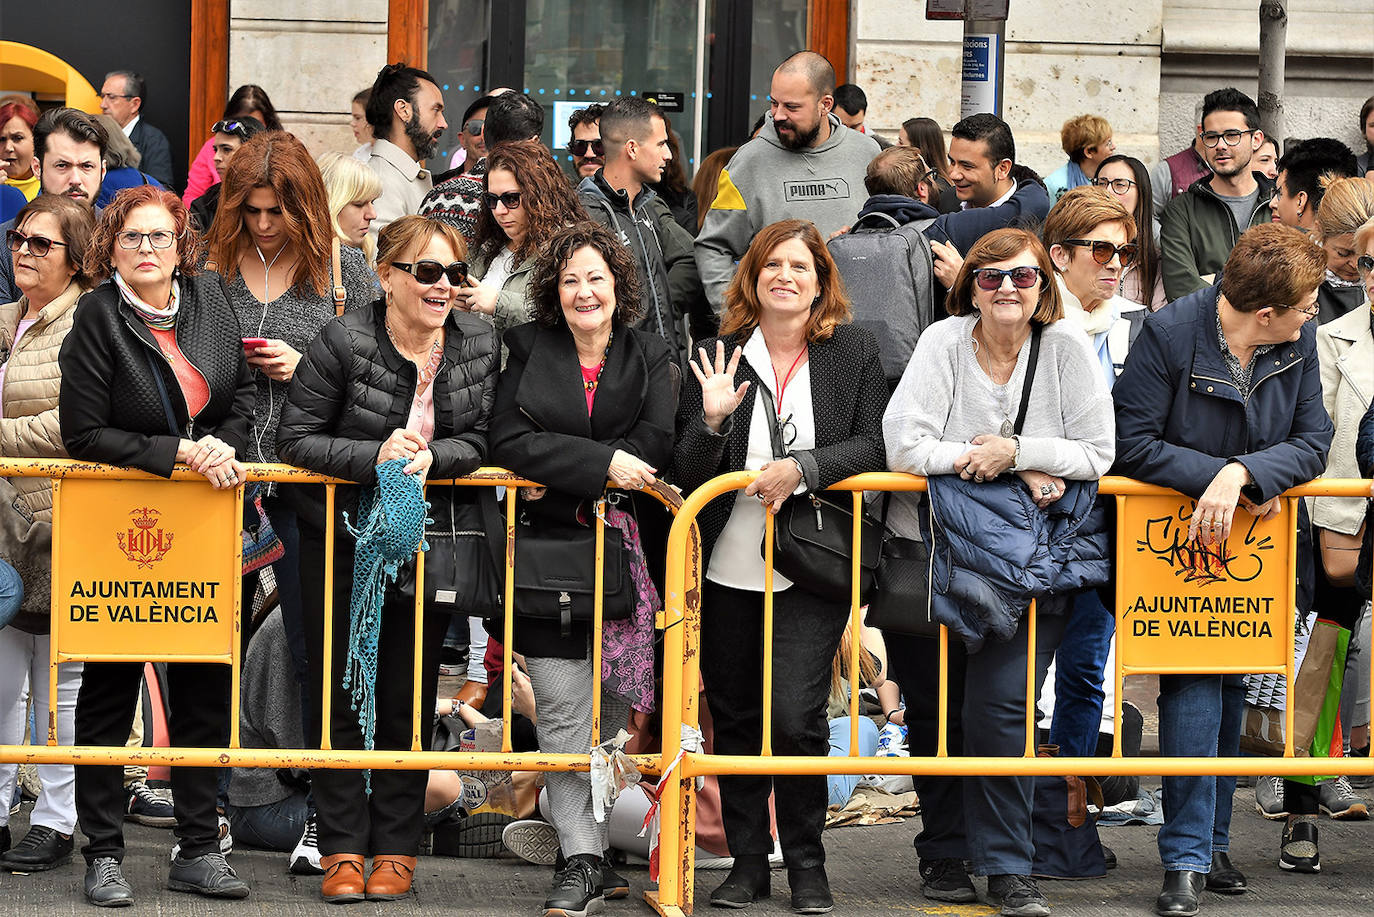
(416,758)
(682,614)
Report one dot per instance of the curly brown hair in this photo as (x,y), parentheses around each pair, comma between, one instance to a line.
(278,161)
(99,260)
(545,307)
(545,192)
(742,306)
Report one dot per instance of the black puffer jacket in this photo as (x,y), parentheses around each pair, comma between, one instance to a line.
(352,389)
(110,408)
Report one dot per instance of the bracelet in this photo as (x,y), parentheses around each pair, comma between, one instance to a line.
(1016,456)
(891,713)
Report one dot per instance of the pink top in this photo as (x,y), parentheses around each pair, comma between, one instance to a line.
(24,325)
(202,173)
(589,374)
(194,388)
(421,418)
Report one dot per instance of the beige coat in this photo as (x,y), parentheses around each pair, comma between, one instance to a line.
(29,427)
(1345,349)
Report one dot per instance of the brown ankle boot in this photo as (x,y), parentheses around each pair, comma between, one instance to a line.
(472,693)
(390,878)
(343,878)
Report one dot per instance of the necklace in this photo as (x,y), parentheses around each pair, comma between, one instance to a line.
(791,371)
(591,384)
(1003,404)
(429,370)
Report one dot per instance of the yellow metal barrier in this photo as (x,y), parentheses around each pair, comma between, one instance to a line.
(134,487)
(682,642)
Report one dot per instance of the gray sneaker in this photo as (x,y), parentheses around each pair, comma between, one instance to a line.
(207,875)
(1339,800)
(106,885)
(1269,797)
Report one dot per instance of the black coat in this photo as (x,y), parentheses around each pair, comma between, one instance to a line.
(110,407)
(352,389)
(542,432)
(848,396)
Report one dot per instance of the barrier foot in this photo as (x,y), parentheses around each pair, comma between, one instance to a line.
(667,910)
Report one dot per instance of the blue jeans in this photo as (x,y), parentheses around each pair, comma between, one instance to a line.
(1078,693)
(275,826)
(1199,717)
(842,785)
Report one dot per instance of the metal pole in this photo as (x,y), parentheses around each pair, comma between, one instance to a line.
(981,89)
(1273,22)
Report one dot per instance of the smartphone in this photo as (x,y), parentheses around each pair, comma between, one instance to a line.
(252,344)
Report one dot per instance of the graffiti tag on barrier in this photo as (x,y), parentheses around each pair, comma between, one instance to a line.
(1166,538)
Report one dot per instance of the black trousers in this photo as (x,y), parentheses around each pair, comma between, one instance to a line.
(390,820)
(198,717)
(806,636)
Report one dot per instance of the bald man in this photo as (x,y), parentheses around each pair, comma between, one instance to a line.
(804,164)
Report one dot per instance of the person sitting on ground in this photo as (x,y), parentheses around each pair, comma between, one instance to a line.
(872,674)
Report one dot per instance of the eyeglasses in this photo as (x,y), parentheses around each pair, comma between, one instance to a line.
(1311,311)
(510,198)
(1211,138)
(1103,251)
(474,127)
(116,95)
(930,176)
(38,245)
(1365,264)
(580,147)
(237,128)
(428,271)
(158,238)
(1118,185)
(1023,278)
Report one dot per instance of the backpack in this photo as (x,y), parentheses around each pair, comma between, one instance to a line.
(887,269)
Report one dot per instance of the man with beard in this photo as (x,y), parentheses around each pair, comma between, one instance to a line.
(804,164)
(406,112)
(585,144)
(69,156)
(1200,227)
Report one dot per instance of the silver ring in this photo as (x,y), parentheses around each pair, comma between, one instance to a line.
(1216,525)
(1047,490)
(979,478)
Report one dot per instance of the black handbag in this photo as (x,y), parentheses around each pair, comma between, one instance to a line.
(462,564)
(813,536)
(555,574)
(901,593)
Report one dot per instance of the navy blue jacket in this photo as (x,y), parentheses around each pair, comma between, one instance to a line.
(995,550)
(1180,419)
(1026,208)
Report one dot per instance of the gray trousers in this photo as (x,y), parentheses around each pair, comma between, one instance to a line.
(563,706)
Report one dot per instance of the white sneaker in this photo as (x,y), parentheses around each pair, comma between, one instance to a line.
(305,859)
(532,840)
(226,840)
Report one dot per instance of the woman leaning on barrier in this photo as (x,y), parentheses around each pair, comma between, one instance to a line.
(153,374)
(49,245)
(585,398)
(1004,408)
(407,377)
(1221,399)
(785,337)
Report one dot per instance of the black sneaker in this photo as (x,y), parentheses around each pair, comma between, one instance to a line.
(1298,852)
(148,808)
(1019,896)
(106,885)
(613,884)
(209,875)
(947,880)
(576,890)
(42,848)
(453,660)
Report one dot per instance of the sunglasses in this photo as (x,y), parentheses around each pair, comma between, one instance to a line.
(474,127)
(38,245)
(1023,278)
(1365,263)
(510,198)
(580,147)
(237,128)
(1118,185)
(430,271)
(1103,251)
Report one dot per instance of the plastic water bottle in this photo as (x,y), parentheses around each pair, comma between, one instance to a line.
(892,742)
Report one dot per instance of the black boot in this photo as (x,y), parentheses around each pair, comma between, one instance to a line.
(1224,878)
(810,891)
(1178,898)
(747,883)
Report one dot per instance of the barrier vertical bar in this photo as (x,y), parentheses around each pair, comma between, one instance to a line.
(1119,613)
(236,640)
(55,616)
(419,647)
(1030,679)
(597,612)
(327,655)
(768,519)
(855,625)
(508,622)
(942,711)
(1290,606)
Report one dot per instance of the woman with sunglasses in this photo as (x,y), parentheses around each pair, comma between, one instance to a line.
(1126,177)
(248,101)
(226,138)
(527,200)
(49,246)
(962,409)
(405,377)
(786,343)
(153,374)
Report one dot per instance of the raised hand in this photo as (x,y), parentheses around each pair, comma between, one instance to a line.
(719,396)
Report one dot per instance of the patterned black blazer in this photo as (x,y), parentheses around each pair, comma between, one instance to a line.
(848,396)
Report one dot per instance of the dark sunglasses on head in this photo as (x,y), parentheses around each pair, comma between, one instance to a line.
(580,147)
(38,245)
(428,271)
(474,127)
(1023,278)
(510,198)
(1103,251)
(231,126)
(1365,263)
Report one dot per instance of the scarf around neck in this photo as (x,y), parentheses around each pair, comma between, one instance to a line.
(163,319)
(1094,322)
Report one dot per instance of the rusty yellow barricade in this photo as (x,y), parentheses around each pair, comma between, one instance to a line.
(1180,608)
(148,569)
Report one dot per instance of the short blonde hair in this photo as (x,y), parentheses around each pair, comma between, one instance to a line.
(1081,132)
(1365,234)
(1347,204)
(347,180)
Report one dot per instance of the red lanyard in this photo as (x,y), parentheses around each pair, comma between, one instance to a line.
(782,386)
